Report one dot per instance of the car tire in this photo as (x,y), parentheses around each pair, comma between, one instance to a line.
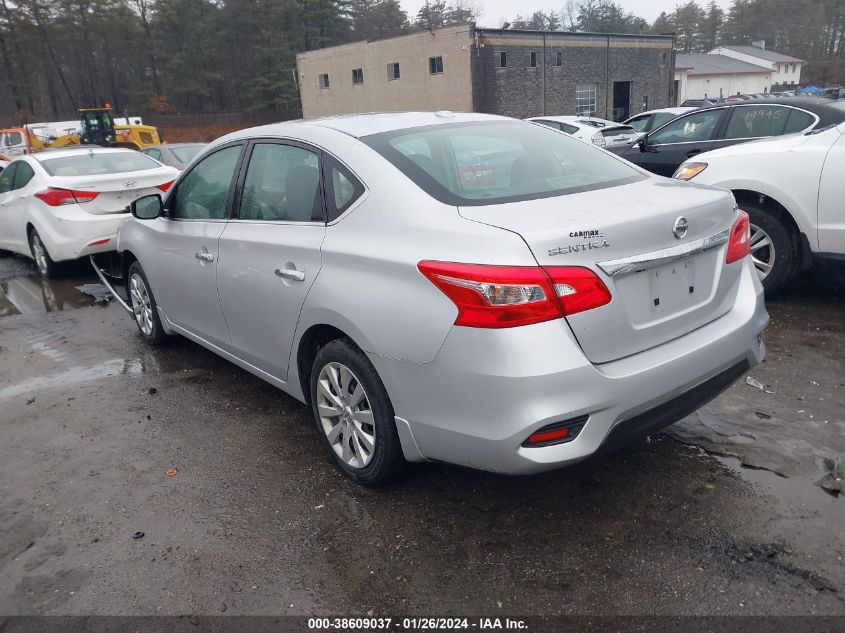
(43,262)
(144,306)
(358,429)
(774,249)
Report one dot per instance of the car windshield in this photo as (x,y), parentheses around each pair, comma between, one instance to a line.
(186,154)
(490,163)
(90,164)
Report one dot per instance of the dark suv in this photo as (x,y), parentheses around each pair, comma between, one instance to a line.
(663,150)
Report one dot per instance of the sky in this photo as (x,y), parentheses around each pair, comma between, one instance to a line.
(494,10)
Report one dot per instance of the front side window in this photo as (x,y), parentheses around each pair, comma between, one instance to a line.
(393,71)
(502,59)
(492,163)
(7,177)
(324,81)
(435,65)
(282,185)
(357,76)
(90,164)
(13,138)
(660,118)
(203,192)
(24,174)
(695,127)
(585,99)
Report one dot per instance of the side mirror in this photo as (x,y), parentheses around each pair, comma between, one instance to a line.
(147,208)
(643,142)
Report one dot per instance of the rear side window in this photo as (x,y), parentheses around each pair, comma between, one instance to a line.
(282,185)
(203,192)
(798,121)
(756,121)
(660,118)
(153,153)
(490,163)
(640,123)
(90,164)
(24,174)
(186,154)
(342,188)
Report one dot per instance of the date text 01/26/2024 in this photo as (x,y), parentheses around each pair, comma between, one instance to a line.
(414,624)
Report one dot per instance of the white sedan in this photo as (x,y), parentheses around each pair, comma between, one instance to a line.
(653,119)
(61,205)
(590,129)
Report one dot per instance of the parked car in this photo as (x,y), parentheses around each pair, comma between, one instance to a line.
(663,150)
(793,190)
(177,155)
(599,132)
(647,121)
(697,103)
(64,204)
(565,303)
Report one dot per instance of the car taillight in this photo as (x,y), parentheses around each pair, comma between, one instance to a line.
(739,244)
(598,139)
(166,185)
(58,197)
(509,296)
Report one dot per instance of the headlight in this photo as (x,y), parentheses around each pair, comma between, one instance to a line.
(598,139)
(688,171)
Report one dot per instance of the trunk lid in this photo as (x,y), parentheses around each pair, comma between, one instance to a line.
(673,286)
(116,191)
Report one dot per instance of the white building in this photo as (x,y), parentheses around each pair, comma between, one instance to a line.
(714,76)
(786,70)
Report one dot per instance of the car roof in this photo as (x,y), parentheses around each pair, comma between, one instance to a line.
(359,125)
(76,150)
(172,145)
(828,113)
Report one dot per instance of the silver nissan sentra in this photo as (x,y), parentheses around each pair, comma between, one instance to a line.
(464,288)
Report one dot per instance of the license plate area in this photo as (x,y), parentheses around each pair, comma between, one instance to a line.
(672,287)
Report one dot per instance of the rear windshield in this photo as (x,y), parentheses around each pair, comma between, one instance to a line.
(87,164)
(186,154)
(497,162)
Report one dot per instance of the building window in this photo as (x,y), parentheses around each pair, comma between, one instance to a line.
(793,67)
(393,71)
(324,81)
(645,103)
(357,75)
(532,59)
(503,59)
(585,99)
(435,65)
(558,58)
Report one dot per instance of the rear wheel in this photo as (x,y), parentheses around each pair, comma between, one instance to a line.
(45,264)
(774,249)
(354,415)
(144,306)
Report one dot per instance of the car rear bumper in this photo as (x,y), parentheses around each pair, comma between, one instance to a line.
(488,390)
(70,233)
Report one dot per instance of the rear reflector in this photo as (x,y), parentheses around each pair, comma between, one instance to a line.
(58,197)
(509,296)
(100,242)
(166,185)
(556,433)
(739,244)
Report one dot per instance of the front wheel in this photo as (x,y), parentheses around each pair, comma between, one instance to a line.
(354,415)
(144,306)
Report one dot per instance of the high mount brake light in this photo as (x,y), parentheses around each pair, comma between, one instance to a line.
(739,244)
(509,296)
(58,197)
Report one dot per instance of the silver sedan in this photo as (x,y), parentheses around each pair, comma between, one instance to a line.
(463,288)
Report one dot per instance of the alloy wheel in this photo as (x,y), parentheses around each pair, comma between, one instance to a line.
(40,254)
(141,304)
(345,415)
(762,251)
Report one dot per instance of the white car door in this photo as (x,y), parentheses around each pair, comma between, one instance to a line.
(17,207)
(7,182)
(270,252)
(831,207)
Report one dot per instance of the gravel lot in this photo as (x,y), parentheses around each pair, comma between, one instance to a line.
(722,514)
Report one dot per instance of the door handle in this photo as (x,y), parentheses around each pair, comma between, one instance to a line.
(288,273)
(693,152)
(204,256)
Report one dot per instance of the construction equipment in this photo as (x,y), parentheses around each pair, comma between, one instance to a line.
(99,128)
(16,141)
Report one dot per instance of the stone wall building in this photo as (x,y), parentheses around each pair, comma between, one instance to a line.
(515,73)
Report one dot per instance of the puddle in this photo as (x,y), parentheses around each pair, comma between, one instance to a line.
(74,376)
(22,291)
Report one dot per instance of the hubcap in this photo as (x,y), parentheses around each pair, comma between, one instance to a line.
(39,253)
(345,415)
(762,251)
(141,305)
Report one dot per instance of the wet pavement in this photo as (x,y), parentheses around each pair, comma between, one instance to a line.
(721,515)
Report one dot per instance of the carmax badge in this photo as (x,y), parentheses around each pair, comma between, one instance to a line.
(577,248)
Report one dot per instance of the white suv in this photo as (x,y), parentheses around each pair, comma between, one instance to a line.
(793,188)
